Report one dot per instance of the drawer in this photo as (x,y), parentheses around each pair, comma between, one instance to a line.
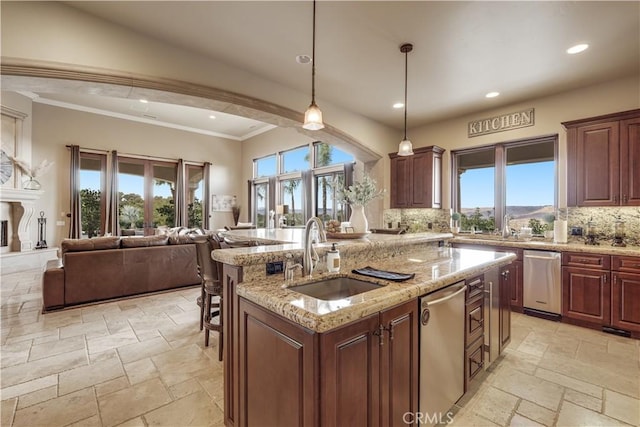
(474,315)
(474,360)
(475,287)
(630,264)
(577,259)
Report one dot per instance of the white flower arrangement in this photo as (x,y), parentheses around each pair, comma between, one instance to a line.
(26,168)
(360,193)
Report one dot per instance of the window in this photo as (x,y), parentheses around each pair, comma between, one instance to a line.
(146,189)
(517,179)
(295,160)
(92,194)
(327,155)
(291,191)
(261,197)
(265,166)
(326,205)
(194,195)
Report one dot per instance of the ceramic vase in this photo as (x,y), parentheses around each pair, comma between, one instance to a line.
(358,219)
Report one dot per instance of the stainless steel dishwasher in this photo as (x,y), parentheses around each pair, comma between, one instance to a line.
(441,351)
(542,284)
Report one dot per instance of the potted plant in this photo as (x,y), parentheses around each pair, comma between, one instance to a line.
(455,222)
(358,196)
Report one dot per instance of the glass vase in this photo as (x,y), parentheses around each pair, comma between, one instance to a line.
(31,184)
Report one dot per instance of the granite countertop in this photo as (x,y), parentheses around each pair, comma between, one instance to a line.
(279,241)
(434,268)
(574,246)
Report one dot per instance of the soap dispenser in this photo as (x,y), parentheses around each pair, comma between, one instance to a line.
(333,259)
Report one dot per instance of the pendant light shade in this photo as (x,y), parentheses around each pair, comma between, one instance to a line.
(405,148)
(313,115)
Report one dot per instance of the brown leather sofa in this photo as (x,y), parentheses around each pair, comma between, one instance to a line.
(112,267)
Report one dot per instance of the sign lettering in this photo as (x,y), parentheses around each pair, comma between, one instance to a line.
(502,123)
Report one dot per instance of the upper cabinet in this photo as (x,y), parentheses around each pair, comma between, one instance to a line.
(416,181)
(603,160)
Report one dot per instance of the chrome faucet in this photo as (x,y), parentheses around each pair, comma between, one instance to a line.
(311,258)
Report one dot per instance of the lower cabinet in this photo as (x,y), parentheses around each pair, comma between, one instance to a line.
(278,370)
(364,373)
(625,295)
(474,329)
(586,295)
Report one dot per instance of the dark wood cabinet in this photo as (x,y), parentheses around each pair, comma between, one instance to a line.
(363,373)
(474,328)
(602,157)
(277,359)
(586,295)
(517,277)
(370,369)
(507,279)
(625,293)
(399,362)
(350,363)
(231,276)
(416,181)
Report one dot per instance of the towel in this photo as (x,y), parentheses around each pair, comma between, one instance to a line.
(386,275)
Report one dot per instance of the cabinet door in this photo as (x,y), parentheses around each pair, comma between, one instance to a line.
(426,185)
(630,162)
(277,358)
(350,366)
(507,283)
(399,364)
(597,175)
(625,306)
(516,286)
(401,177)
(586,295)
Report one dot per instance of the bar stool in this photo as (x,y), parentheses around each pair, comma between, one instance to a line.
(210,275)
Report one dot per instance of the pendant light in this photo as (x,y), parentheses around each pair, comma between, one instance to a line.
(313,115)
(405,148)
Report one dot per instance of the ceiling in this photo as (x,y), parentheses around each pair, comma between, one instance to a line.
(462,50)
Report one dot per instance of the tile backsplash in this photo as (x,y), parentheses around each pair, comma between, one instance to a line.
(418,220)
(604,219)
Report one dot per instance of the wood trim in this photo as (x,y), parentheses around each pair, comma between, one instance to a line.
(275,114)
(601,119)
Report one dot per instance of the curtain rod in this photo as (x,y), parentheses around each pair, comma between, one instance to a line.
(138,156)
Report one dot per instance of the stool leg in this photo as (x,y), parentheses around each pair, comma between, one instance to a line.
(202,307)
(207,313)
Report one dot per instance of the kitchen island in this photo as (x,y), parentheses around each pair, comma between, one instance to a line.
(293,359)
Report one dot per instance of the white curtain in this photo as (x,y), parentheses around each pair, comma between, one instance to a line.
(112,223)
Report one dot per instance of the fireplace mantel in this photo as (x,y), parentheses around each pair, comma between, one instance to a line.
(22,204)
(17,195)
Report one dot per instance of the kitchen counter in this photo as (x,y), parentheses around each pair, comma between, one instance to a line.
(546,245)
(434,269)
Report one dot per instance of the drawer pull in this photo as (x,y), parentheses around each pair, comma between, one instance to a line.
(478,321)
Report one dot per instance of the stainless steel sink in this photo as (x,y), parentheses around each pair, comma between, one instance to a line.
(335,289)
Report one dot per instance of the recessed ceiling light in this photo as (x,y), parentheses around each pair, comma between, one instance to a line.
(577,49)
(212,116)
(144,101)
(398,105)
(303,59)
(492,94)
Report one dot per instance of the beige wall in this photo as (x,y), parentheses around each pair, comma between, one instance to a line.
(550,111)
(52,31)
(54,128)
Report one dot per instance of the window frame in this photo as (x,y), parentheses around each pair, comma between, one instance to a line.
(102,158)
(500,165)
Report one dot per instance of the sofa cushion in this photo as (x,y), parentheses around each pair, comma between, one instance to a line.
(145,241)
(93,244)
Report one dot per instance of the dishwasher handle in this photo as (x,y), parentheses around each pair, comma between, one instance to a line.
(541,257)
(426,313)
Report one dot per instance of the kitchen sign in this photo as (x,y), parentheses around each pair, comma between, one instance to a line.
(501,123)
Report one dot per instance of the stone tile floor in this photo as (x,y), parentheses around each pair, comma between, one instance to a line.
(142,362)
